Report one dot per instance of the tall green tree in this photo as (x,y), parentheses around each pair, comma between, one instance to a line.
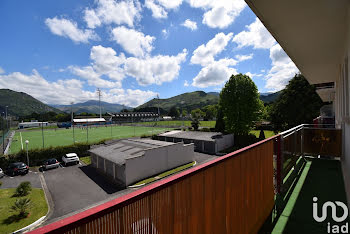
(240,104)
(298,103)
(210,112)
(174,112)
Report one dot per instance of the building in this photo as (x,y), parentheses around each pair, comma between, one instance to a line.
(316,36)
(129,161)
(134,116)
(206,142)
(91,121)
(33,124)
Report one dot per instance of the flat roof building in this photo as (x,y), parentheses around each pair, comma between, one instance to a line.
(206,142)
(131,160)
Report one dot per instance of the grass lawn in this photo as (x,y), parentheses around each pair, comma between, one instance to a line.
(9,221)
(165,174)
(267,133)
(86,160)
(62,137)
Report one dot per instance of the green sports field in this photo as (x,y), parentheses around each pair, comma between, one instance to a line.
(62,137)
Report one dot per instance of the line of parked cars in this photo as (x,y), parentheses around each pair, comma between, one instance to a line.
(20,168)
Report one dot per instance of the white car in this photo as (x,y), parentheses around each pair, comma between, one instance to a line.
(2,174)
(70,158)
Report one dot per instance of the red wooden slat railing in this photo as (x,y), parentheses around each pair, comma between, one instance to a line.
(231,194)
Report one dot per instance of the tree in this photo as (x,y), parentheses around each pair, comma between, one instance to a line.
(298,103)
(174,112)
(197,113)
(195,123)
(184,113)
(21,205)
(210,112)
(23,189)
(220,123)
(240,104)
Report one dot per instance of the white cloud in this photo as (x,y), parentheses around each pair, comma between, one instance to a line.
(251,75)
(219,14)
(204,54)
(186,84)
(106,62)
(243,57)
(160,8)
(132,41)
(113,12)
(131,97)
(93,78)
(66,28)
(148,70)
(256,35)
(215,74)
(283,69)
(158,12)
(165,33)
(2,70)
(69,90)
(190,24)
(155,70)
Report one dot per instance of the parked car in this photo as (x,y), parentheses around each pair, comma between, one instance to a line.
(17,168)
(71,158)
(50,163)
(1,173)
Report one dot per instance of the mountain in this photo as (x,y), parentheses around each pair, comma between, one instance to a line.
(188,101)
(92,106)
(21,104)
(193,100)
(269,97)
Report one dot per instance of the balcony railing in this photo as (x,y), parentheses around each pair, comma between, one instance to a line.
(231,194)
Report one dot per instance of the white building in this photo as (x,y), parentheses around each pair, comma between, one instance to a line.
(132,160)
(33,124)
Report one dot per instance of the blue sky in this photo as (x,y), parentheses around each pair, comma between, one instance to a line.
(62,51)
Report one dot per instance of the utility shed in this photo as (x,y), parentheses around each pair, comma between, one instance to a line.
(206,142)
(131,160)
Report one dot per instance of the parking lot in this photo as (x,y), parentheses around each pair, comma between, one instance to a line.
(76,187)
(13,182)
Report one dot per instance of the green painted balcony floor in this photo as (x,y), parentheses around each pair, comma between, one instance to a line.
(321,178)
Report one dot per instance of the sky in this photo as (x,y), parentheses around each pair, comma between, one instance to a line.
(62,51)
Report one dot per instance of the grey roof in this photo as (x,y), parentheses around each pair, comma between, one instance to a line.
(193,135)
(121,150)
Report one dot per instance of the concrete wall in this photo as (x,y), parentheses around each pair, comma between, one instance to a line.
(225,142)
(157,160)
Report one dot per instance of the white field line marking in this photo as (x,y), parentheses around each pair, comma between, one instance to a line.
(21,139)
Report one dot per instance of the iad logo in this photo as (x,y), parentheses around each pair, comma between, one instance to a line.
(335,228)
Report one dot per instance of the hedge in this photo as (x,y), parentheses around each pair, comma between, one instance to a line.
(38,156)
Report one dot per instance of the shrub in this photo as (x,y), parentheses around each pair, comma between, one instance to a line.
(37,156)
(21,205)
(261,135)
(0,183)
(23,189)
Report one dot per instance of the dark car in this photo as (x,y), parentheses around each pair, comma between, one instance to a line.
(17,168)
(50,163)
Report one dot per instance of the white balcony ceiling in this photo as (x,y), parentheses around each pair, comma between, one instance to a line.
(312,32)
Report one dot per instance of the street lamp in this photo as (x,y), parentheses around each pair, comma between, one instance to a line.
(27,142)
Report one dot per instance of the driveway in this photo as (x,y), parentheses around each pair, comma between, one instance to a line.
(76,188)
(13,182)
